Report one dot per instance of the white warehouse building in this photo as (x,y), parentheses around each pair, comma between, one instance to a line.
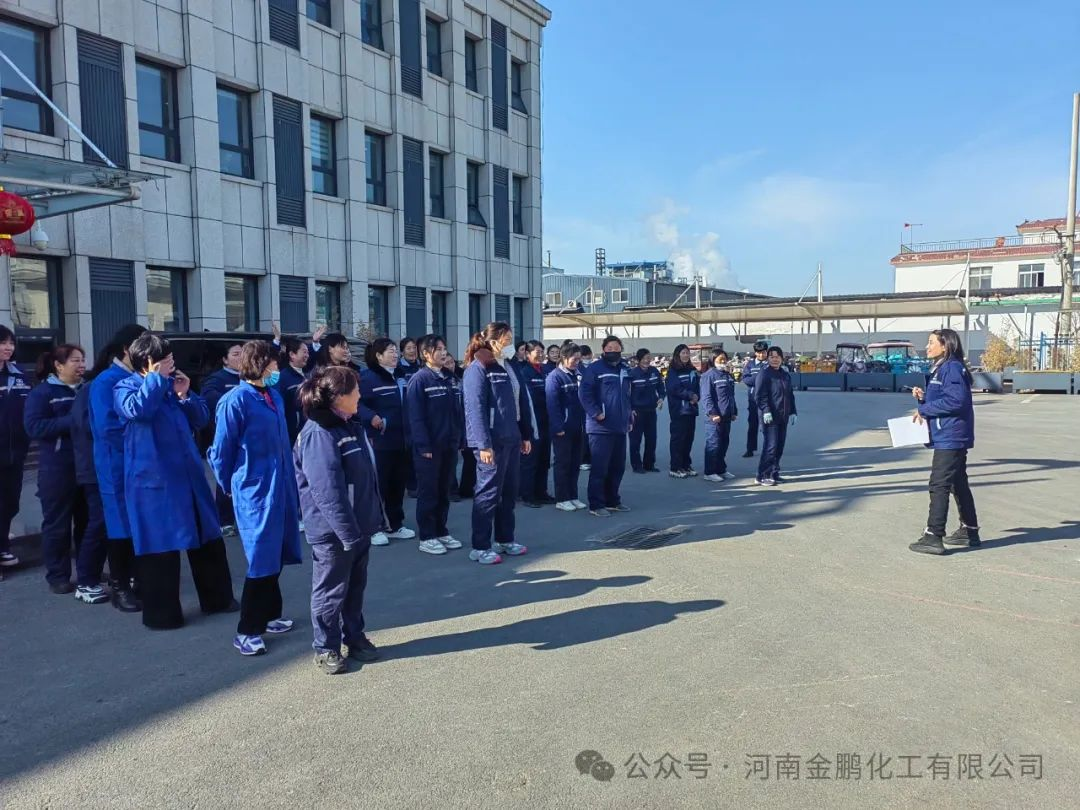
(341,162)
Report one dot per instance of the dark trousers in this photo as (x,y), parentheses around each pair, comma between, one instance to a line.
(753,425)
(682,441)
(535,468)
(608,466)
(224,504)
(948,476)
(65,517)
(393,470)
(95,544)
(410,473)
(586,453)
(467,481)
(122,571)
(495,496)
(433,476)
(568,448)
(338,579)
(774,438)
(260,604)
(644,427)
(11,480)
(717,441)
(159,580)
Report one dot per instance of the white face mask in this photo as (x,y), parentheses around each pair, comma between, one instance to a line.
(508,352)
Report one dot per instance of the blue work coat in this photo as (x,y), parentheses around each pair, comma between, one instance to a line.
(431,405)
(682,384)
(565,413)
(493,415)
(718,394)
(646,387)
(289,388)
(773,393)
(605,389)
(48,420)
(382,394)
(108,433)
(251,458)
(14,389)
(948,409)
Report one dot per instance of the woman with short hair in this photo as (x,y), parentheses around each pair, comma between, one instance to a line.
(14,443)
(718,403)
(567,427)
(683,391)
(774,396)
(605,396)
(647,392)
(252,460)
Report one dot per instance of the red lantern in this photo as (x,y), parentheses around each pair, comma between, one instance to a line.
(16,214)
(7,245)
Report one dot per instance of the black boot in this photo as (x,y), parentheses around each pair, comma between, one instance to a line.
(124,599)
(928,544)
(964,536)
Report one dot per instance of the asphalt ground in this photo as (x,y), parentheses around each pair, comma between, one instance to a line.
(783,633)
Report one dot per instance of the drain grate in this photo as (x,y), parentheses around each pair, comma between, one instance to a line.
(639,537)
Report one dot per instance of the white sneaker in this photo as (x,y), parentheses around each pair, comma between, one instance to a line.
(712,478)
(380,539)
(403,533)
(450,542)
(432,546)
(510,549)
(586,467)
(677,474)
(484,556)
(566,506)
(727,476)
(579,505)
(690,472)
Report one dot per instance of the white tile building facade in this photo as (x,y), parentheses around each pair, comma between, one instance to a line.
(206,249)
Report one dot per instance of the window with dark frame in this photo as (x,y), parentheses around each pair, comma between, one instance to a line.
(102,99)
(319,11)
(28,47)
(241,304)
(328,305)
(283,20)
(379,310)
(375,153)
(166,299)
(371,23)
(472,174)
(472,81)
(323,156)
(519,204)
(438,312)
(519,315)
(517,97)
(234,133)
(476,313)
(159,117)
(36,295)
(1032,275)
(437,184)
(981,278)
(434,46)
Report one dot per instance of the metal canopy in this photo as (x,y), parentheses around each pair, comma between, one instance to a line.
(58,186)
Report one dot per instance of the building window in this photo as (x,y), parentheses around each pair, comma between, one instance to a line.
(241,304)
(375,152)
(323,156)
(159,119)
(472,81)
(476,313)
(112,296)
(379,310)
(1076,275)
(290,188)
(434,46)
(284,22)
(371,23)
(166,300)
(620,295)
(552,299)
(502,308)
(412,188)
(319,11)
(234,133)
(293,301)
(328,305)
(979,278)
(594,298)
(415,311)
(102,99)
(519,204)
(519,316)
(35,294)
(1032,275)
(517,74)
(472,173)
(438,312)
(28,48)
(437,184)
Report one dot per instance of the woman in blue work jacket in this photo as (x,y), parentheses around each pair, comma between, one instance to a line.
(720,408)
(499,430)
(647,393)
(295,362)
(14,444)
(774,397)
(536,466)
(435,427)
(114,365)
(169,503)
(64,510)
(567,424)
(683,392)
(339,499)
(605,396)
(948,411)
(252,459)
(382,412)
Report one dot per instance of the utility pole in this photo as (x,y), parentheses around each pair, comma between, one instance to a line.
(1065,327)
(820,299)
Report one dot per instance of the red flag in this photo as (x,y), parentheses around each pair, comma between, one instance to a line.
(907,224)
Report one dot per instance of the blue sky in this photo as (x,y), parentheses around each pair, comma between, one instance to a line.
(752,140)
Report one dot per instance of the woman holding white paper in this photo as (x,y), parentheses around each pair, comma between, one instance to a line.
(946,408)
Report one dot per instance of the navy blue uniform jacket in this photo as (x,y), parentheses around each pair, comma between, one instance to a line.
(646,387)
(431,405)
(493,415)
(718,394)
(605,389)
(773,393)
(383,394)
(48,419)
(681,385)
(948,409)
(14,389)
(565,412)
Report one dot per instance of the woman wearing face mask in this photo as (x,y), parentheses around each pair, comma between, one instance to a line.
(775,401)
(946,408)
(251,458)
(498,429)
(567,425)
(14,443)
(683,392)
(169,504)
(65,511)
(431,405)
(382,412)
(535,466)
(647,391)
(718,402)
(605,397)
(334,351)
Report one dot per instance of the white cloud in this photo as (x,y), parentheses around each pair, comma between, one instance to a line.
(699,255)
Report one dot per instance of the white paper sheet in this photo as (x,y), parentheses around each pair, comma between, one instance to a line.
(906,433)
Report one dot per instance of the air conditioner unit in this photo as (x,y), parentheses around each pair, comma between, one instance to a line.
(572,304)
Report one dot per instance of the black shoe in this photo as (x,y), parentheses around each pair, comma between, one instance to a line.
(748,454)
(928,544)
(365,652)
(531,504)
(232,607)
(546,500)
(779,480)
(652,469)
(124,600)
(60,588)
(331,663)
(964,537)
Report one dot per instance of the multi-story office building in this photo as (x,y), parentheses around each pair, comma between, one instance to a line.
(348,162)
